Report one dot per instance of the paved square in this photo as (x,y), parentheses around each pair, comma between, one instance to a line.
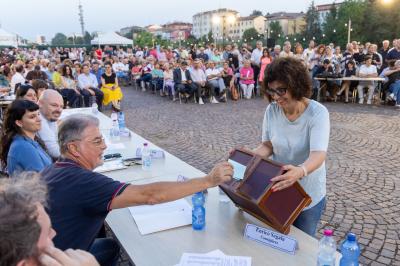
(363,158)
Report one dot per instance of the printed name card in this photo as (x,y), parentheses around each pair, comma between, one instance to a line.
(271,238)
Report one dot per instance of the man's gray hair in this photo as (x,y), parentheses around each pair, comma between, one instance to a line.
(19,229)
(72,128)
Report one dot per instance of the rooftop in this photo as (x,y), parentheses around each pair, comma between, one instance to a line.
(284,15)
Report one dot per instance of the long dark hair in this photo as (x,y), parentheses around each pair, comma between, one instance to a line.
(64,72)
(23,89)
(15,111)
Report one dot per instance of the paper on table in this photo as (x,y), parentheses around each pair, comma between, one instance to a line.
(115,146)
(110,166)
(238,169)
(214,258)
(160,217)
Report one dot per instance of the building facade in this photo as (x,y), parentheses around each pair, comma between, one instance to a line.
(218,22)
(291,23)
(244,23)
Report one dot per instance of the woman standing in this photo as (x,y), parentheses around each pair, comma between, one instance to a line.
(266,59)
(21,149)
(110,88)
(295,132)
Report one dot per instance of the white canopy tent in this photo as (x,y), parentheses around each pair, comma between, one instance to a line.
(8,39)
(111,38)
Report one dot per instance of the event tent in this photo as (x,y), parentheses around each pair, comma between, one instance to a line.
(111,38)
(8,39)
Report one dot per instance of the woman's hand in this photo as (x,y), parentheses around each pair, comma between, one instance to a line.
(293,174)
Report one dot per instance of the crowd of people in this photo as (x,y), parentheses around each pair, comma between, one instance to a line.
(66,152)
(205,74)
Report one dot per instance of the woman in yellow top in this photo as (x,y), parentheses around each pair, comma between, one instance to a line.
(110,88)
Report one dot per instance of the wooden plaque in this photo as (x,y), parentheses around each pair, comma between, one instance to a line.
(253,194)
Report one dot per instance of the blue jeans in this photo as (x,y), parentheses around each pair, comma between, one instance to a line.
(308,219)
(395,89)
(106,251)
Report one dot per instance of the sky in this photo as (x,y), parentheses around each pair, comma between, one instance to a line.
(30,18)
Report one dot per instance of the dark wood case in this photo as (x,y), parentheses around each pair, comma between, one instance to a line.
(253,194)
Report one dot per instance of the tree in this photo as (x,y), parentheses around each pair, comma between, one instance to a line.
(275,30)
(329,26)
(256,13)
(252,34)
(312,30)
(144,39)
(60,39)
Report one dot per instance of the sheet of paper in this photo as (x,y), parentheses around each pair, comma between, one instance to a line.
(160,217)
(238,169)
(193,259)
(115,146)
(110,166)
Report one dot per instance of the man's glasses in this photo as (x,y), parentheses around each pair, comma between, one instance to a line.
(278,91)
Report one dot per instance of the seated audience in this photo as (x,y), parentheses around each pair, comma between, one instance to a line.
(349,71)
(157,76)
(21,149)
(200,80)
(247,79)
(80,199)
(26,92)
(69,89)
(145,75)
(367,70)
(110,88)
(50,106)
(214,78)
(25,228)
(88,85)
(36,73)
(168,81)
(183,81)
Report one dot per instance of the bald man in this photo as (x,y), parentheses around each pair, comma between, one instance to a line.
(51,105)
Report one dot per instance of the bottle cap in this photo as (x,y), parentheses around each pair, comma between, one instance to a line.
(351,237)
(145,144)
(328,232)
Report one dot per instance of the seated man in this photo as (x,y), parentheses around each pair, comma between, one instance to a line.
(50,106)
(199,78)
(367,70)
(80,199)
(145,74)
(394,82)
(89,86)
(25,228)
(183,81)
(326,70)
(214,77)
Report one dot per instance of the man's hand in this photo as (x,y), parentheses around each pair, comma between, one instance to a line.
(293,174)
(54,257)
(221,173)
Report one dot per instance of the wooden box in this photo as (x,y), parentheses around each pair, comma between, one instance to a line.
(253,193)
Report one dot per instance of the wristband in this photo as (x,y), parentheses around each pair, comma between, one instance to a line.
(304,169)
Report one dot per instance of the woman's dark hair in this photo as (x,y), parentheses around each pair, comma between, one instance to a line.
(19,68)
(64,71)
(291,72)
(15,111)
(107,63)
(23,89)
(266,50)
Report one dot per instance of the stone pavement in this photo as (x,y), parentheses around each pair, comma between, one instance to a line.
(363,158)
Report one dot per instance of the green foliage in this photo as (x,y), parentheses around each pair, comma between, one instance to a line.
(252,35)
(144,39)
(275,31)
(87,38)
(312,28)
(60,39)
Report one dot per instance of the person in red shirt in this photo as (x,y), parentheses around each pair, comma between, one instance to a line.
(99,53)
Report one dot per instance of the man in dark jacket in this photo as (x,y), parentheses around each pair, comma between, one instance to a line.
(183,81)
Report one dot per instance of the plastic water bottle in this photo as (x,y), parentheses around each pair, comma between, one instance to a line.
(121,121)
(198,211)
(146,157)
(114,131)
(95,107)
(350,251)
(327,249)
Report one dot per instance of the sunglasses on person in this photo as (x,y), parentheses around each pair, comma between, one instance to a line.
(278,91)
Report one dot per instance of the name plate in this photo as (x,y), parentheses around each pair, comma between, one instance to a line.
(271,238)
